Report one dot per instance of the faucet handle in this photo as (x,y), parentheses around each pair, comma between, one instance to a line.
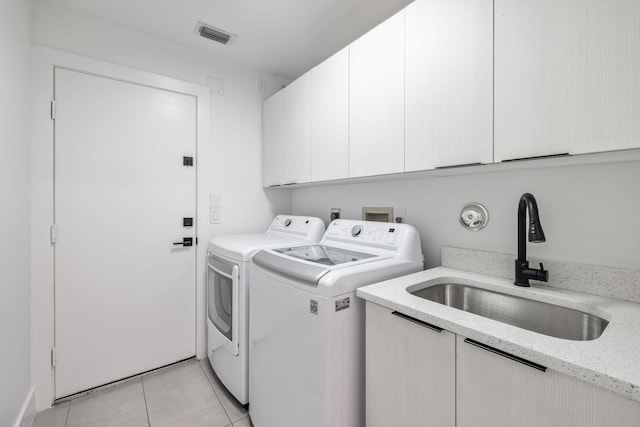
(543,274)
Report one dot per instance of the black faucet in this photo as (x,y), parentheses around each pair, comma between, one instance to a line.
(536,235)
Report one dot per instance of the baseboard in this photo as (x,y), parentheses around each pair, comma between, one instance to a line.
(28,411)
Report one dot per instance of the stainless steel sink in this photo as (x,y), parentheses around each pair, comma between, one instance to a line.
(536,316)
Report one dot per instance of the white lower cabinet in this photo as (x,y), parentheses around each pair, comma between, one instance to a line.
(410,372)
(420,377)
(495,390)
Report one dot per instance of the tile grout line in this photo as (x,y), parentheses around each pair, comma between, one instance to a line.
(146,406)
(215,392)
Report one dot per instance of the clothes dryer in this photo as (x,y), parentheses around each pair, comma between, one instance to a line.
(228,289)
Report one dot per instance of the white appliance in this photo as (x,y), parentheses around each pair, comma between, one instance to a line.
(307,326)
(228,291)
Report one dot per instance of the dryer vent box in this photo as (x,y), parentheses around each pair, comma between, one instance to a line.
(380,214)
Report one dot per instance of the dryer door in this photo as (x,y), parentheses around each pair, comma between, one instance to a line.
(222,300)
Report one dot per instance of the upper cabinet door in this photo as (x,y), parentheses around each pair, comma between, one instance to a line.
(330,118)
(449,83)
(272,140)
(605,75)
(376,143)
(296,153)
(532,52)
(567,76)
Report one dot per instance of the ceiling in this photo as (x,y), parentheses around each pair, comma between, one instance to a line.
(281,37)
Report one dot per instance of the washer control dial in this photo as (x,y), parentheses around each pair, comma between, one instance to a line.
(356,230)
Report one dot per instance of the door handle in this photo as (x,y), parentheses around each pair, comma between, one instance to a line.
(507,355)
(186,241)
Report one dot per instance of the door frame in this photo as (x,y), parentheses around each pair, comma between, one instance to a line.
(42,202)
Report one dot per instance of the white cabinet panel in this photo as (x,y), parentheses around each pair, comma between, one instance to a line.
(330,118)
(376,143)
(449,83)
(410,372)
(496,391)
(567,77)
(532,62)
(272,140)
(605,75)
(296,153)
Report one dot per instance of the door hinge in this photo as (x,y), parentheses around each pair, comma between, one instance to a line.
(53,109)
(53,356)
(54,233)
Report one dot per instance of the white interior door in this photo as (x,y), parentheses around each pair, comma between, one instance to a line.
(124,293)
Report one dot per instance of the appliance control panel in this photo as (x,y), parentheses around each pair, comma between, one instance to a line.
(311,227)
(366,232)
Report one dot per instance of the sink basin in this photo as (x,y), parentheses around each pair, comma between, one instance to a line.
(536,316)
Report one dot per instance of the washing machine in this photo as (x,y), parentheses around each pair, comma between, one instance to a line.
(228,289)
(307,325)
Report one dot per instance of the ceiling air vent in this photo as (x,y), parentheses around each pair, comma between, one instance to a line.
(215,34)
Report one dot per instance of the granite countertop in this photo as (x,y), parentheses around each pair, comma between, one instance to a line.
(611,361)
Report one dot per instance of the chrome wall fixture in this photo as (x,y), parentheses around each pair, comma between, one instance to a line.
(474,216)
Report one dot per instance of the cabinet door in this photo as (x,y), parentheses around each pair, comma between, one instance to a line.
(532,64)
(376,88)
(272,140)
(296,153)
(566,76)
(410,372)
(449,83)
(330,118)
(605,75)
(493,390)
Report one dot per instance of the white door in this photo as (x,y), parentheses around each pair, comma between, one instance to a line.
(124,293)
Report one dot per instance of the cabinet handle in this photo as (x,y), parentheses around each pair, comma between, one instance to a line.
(507,355)
(462,165)
(419,322)
(547,156)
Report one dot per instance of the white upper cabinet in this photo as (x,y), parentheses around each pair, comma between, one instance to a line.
(296,153)
(376,87)
(567,76)
(330,118)
(605,75)
(531,78)
(272,140)
(449,83)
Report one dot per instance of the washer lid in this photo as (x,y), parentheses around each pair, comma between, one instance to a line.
(290,267)
(308,264)
(326,255)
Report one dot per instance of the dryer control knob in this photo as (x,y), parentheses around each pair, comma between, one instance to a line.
(356,230)
(287,222)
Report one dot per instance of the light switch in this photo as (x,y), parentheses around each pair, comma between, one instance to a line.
(214,216)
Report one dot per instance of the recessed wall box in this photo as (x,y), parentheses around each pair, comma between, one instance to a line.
(380,214)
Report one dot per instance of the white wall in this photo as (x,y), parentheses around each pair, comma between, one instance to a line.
(235,116)
(589,213)
(15,357)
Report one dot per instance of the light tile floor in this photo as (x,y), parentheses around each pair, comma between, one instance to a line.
(185,395)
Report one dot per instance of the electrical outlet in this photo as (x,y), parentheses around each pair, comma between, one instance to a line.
(335,213)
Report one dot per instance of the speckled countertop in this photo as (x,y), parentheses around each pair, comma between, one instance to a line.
(611,361)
